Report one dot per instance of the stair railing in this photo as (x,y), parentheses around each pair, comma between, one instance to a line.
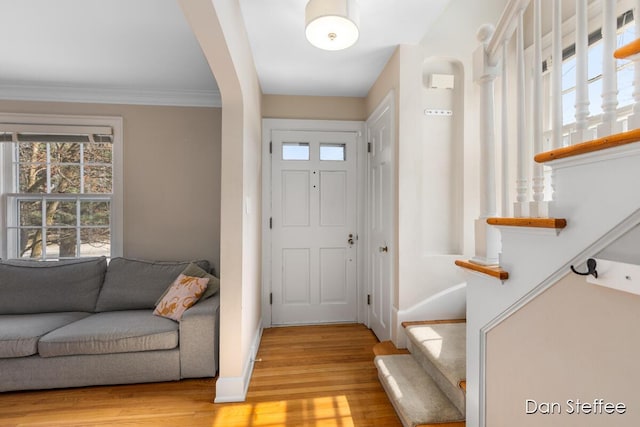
(533,114)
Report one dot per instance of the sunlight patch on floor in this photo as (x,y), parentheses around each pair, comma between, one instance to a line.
(319,411)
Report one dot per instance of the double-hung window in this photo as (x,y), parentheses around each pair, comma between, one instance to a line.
(624,69)
(61,187)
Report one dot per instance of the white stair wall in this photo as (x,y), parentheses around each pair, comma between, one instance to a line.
(450,303)
(596,192)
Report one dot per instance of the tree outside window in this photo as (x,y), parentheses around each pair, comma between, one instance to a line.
(62,197)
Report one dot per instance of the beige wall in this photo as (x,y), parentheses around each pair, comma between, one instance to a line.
(389,79)
(219,28)
(575,341)
(415,263)
(314,107)
(171,176)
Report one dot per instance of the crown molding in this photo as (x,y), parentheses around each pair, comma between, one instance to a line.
(180,98)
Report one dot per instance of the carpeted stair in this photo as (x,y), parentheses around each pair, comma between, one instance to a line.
(425,385)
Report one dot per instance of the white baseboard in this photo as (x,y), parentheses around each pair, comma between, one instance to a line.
(234,389)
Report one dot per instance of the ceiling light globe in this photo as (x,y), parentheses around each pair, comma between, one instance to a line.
(332,24)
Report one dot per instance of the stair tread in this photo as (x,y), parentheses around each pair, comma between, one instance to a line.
(556,223)
(627,50)
(386,348)
(414,394)
(492,271)
(610,141)
(445,346)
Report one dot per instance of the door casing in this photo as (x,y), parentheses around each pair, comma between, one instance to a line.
(382,297)
(269,125)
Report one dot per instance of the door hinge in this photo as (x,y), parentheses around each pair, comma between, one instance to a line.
(368,147)
(271,299)
(270,147)
(368,299)
(270,223)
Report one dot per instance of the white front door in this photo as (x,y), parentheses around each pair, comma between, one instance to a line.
(380,220)
(314,240)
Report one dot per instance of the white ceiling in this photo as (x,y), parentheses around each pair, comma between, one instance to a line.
(138,51)
(143,51)
(288,64)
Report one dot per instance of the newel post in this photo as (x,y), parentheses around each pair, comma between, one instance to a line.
(487,238)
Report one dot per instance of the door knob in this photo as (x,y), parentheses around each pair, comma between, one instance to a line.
(383,249)
(350,240)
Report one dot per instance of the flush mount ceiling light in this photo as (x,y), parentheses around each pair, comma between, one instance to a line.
(332,24)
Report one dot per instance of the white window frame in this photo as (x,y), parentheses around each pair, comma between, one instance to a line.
(623,111)
(594,14)
(34,120)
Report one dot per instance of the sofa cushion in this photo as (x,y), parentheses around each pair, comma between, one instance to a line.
(19,333)
(111,332)
(50,286)
(22,262)
(132,284)
(214,283)
(182,294)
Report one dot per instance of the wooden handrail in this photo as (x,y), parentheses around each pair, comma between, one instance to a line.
(496,272)
(556,223)
(505,28)
(590,146)
(627,50)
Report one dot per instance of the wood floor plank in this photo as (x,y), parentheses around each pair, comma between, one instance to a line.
(304,376)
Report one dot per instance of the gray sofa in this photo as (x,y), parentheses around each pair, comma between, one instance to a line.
(80,322)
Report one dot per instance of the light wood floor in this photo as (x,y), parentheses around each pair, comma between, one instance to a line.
(305,376)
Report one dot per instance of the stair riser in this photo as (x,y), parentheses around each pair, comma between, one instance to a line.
(452,391)
(405,422)
(414,394)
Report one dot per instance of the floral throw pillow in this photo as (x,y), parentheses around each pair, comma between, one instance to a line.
(182,294)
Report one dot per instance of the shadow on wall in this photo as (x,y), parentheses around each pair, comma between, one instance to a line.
(451,303)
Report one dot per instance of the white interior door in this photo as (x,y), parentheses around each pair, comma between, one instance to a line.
(313,227)
(380,221)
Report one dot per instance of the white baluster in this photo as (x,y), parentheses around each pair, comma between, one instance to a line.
(538,208)
(556,75)
(521,206)
(556,84)
(582,83)
(505,134)
(609,124)
(486,237)
(634,119)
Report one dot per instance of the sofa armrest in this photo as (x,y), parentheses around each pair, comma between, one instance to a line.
(199,337)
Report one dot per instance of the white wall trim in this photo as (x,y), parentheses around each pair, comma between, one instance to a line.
(116,95)
(387,103)
(234,389)
(606,240)
(531,231)
(269,125)
(621,151)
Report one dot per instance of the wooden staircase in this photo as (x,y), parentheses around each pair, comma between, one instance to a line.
(628,50)
(609,142)
(593,182)
(426,383)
